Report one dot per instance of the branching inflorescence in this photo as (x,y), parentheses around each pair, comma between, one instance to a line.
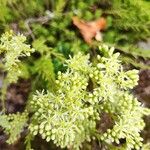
(69,115)
(13,47)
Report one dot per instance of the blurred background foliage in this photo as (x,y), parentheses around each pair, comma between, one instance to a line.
(49,28)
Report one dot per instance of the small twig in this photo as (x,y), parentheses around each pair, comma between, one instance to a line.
(42,20)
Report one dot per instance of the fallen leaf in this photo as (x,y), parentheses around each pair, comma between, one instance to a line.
(91,29)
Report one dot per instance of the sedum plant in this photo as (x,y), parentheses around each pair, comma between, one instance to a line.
(12,48)
(88,87)
(84,92)
(13,125)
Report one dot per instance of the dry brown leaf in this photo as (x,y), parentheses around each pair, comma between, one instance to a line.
(90,29)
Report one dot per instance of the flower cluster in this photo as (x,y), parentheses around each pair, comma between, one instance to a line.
(13,125)
(65,116)
(13,47)
(85,91)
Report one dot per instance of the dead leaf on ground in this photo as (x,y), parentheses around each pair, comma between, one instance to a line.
(91,29)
